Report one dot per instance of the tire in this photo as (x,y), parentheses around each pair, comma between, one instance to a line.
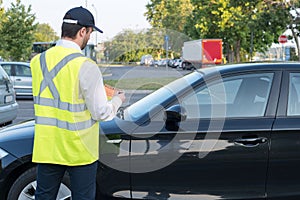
(24,187)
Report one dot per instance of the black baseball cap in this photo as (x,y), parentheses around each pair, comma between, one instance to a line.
(80,16)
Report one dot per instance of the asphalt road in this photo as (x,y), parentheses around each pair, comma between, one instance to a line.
(26,111)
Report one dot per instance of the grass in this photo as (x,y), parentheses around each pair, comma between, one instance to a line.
(140,83)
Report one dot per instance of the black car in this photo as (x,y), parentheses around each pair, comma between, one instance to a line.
(228,132)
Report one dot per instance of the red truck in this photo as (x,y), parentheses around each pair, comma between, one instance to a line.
(201,53)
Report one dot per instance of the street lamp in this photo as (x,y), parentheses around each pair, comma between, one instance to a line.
(96,20)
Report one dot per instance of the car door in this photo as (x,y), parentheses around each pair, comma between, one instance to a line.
(219,152)
(20,75)
(22,79)
(113,178)
(284,174)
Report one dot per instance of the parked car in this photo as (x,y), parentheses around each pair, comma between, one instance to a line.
(229,132)
(146,60)
(20,74)
(8,104)
(177,63)
(162,62)
(185,65)
(171,63)
(154,63)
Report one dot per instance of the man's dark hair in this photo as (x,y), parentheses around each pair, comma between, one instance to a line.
(70,30)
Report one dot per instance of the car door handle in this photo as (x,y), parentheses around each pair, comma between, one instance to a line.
(115,141)
(18,79)
(250,142)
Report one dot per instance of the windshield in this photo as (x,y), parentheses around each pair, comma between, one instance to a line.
(160,96)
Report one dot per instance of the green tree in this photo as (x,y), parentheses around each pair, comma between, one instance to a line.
(127,46)
(130,46)
(170,14)
(16,33)
(1,17)
(122,48)
(1,10)
(245,26)
(294,25)
(44,33)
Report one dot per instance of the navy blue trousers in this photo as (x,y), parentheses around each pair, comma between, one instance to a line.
(83,181)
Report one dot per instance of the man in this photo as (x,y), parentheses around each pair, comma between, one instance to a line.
(69,100)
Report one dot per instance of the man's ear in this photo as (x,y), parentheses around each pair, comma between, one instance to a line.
(82,31)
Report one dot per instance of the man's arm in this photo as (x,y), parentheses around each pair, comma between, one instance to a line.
(93,92)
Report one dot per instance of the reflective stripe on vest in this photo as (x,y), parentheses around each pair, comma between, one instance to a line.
(56,102)
(63,124)
(48,76)
(59,104)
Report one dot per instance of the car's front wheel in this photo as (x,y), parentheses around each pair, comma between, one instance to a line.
(24,187)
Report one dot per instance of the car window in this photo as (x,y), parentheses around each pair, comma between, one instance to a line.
(22,70)
(7,69)
(155,100)
(236,96)
(294,92)
(3,76)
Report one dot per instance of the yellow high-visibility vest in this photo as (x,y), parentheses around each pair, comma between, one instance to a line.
(65,132)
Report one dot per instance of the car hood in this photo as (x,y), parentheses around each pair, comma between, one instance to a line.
(18,139)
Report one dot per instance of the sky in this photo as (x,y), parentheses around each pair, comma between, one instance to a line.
(111,16)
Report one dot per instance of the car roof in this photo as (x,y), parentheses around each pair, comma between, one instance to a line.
(243,67)
(14,62)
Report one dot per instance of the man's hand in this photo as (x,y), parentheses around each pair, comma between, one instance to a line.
(121,95)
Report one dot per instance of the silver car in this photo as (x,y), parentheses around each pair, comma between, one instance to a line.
(20,74)
(8,104)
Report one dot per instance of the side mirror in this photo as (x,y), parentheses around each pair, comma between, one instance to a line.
(173,116)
